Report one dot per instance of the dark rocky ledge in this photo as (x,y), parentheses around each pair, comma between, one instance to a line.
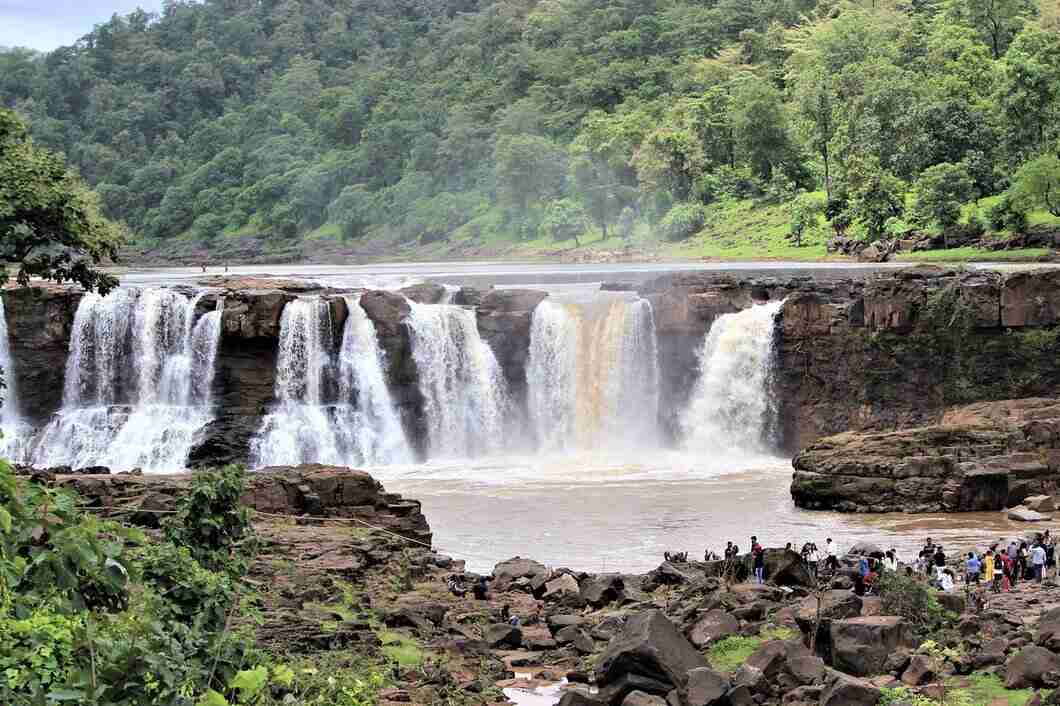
(312,490)
(986,456)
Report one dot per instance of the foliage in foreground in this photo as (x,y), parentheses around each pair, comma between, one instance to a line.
(97,613)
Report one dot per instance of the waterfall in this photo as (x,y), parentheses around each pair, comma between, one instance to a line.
(593,374)
(333,409)
(731,411)
(13,430)
(464,392)
(138,379)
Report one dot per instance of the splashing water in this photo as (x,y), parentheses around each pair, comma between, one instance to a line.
(311,424)
(731,413)
(593,376)
(465,394)
(138,380)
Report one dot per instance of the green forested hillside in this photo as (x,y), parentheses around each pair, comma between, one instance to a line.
(295,125)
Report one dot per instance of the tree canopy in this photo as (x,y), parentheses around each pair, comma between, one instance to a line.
(291,120)
(50,222)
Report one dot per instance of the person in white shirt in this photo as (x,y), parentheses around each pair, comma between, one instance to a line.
(831,562)
(1038,561)
(946,580)
(890,560)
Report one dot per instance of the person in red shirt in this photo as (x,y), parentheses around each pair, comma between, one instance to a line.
(758,557)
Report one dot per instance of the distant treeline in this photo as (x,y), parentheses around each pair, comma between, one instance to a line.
(415,119)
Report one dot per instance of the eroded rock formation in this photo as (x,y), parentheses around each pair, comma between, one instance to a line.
(985,456)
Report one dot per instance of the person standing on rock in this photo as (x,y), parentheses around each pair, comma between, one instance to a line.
(1038,561)
(940,560)
(972,569)
(758,556)
(831,562)
(988,569)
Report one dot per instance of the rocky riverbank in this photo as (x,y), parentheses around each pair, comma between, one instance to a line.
(686,634)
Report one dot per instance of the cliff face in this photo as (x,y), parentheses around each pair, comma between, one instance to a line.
(39,320)
(886,352)
(986,456)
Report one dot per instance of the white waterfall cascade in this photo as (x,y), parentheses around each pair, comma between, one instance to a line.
(593,375)
(138,381)
(731,412)
(14,431)
(332,408)
(465,394)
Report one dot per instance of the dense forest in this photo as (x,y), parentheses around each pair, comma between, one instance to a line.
(388,122)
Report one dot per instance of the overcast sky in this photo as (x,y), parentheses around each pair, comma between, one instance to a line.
(47,24)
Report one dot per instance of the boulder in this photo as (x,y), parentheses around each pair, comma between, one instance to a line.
(836,604)
(866,549)
(639,698)
(1030,667)
(503,635)
(713,626)
(1049,630)
(992,652)
(921,670)
(786,568)
(508,572)
(649,655)
(1023,514)
(600,590)
(861,646)
(848,691)
(559,621)
(565,585)
(1040,503)
(573,697)
(575,636)
(705,687)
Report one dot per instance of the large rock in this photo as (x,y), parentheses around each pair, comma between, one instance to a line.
(705,687)
(503,635)
(601,590)
(562,585)
(1022,514)
(507,572)
(1040,503)
(987,456)
(1031,298)
(921,670)
(861,646)
(712,626)
(848,691)
(1030,667)
(1049,629)
(639,698)
(836,604)
(649,655)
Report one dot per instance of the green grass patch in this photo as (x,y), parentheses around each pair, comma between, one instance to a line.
(729,653)
(970,254)
(985,689)
(401,649)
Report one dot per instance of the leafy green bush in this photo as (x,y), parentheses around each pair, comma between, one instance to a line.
(683,221)
(911,599)
(210,521)
(1004,215)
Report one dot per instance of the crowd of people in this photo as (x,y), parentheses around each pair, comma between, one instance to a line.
(1000,568)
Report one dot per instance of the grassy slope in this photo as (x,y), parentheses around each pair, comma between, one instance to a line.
(735,230)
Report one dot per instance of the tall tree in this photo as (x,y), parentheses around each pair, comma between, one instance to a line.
(50,223)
